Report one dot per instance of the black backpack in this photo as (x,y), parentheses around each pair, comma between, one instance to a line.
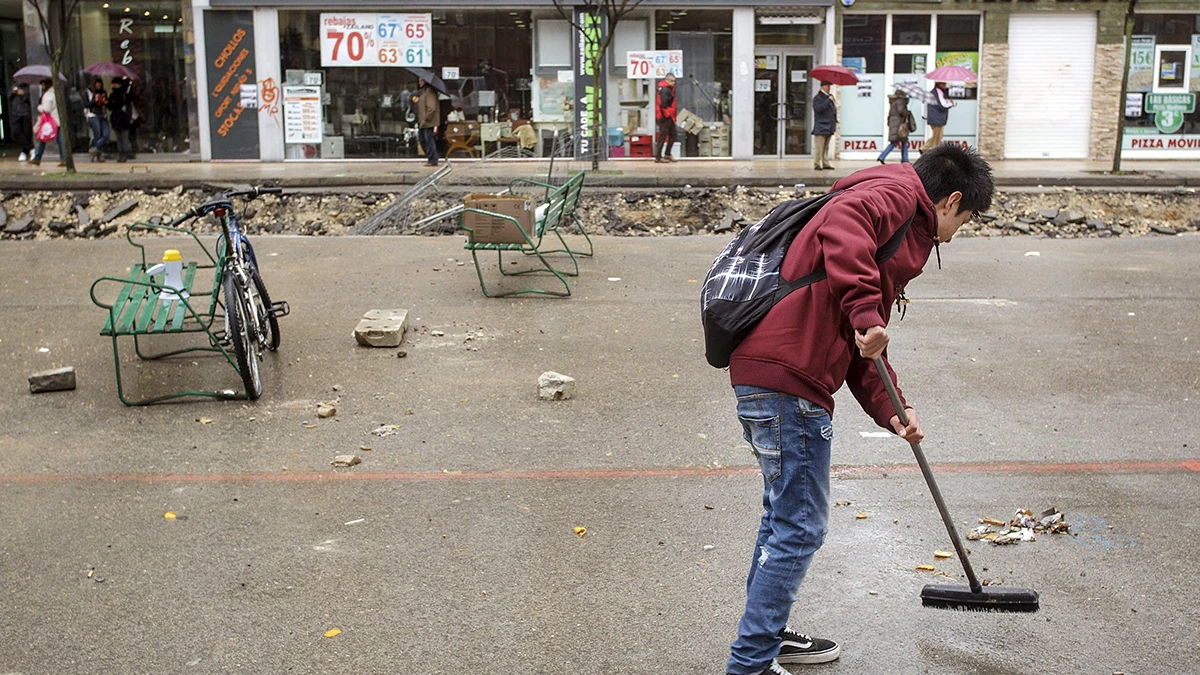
(744,282)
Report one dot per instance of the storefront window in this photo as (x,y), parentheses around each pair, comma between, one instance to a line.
(863,41)
(958,45)
(706,39)
(368,111)
(905,55)
(910,29)
(146,38)
(1161,112)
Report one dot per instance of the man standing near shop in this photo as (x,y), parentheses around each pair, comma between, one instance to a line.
(20,112)
(664,113)
(428,116)
(824,126)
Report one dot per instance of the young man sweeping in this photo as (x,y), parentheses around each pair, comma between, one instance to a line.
(817,338)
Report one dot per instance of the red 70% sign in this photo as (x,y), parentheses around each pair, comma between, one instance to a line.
(376,40)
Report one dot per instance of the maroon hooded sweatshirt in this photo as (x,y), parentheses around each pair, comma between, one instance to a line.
(805,345)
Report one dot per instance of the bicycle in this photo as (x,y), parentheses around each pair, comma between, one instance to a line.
(251,319)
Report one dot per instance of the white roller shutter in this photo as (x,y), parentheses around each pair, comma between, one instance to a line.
(1051,64)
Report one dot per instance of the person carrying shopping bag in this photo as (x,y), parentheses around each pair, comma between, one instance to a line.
(48,125)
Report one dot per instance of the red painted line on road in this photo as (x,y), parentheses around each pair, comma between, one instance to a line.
(358,476)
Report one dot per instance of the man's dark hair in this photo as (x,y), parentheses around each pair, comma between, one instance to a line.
(949,168)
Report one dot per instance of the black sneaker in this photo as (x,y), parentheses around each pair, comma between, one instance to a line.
(797,648)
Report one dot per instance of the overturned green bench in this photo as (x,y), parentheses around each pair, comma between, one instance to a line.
(557,212)
(138,312)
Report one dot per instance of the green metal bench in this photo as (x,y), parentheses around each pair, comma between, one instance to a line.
(559,210)
(138,312)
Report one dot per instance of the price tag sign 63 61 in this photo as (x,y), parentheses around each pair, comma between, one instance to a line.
(376,40)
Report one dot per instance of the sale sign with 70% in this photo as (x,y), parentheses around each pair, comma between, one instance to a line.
(376,40)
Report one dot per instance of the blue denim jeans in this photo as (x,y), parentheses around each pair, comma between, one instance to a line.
(429,144)
(791,438)
(99,127)
(41,148)
(892,146)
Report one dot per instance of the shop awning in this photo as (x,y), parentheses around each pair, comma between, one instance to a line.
(789,10)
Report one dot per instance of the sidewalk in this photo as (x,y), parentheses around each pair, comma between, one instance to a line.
(641,174)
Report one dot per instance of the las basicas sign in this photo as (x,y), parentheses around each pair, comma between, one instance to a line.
(1169,109)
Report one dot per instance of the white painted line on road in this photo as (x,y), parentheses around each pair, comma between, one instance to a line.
(876,434)
(991,302)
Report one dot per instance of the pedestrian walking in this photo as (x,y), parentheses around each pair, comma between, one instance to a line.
(937,113)
(664,115)
(96,112)
(900,125)
(428,118)
(786,371)
(20,112)
(48,106)
(824,126)
(120,106)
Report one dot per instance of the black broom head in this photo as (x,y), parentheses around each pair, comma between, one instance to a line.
(987,599)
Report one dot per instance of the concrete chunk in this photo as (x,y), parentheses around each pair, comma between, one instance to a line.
(382,328)
(554,386)
(59,379)
(118,211)
(20,226)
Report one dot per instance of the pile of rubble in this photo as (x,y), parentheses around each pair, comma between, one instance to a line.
(1022,527)
(1062,212)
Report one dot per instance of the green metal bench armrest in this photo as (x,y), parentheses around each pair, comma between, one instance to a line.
(167,228)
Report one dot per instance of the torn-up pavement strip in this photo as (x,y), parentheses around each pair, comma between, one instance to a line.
(1022,527)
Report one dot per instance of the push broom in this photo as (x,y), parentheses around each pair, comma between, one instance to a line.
(976,596)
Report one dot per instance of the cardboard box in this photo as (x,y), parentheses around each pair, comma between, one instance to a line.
(491,230)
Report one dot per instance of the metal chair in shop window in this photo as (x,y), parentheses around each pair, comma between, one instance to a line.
(462,136)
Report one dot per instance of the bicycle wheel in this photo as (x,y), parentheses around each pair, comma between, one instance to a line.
(268,323)
(240,330)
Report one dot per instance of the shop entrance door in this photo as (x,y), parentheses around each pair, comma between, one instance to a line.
(782,92)
(909,64)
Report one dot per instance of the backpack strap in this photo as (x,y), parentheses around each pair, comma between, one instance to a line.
(882,254)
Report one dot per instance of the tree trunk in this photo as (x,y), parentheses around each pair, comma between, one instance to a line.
(1116,167)
(58,36)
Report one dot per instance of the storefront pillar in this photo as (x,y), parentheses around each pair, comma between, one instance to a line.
(268,77)
(202,112)
(993,98)
(742,141)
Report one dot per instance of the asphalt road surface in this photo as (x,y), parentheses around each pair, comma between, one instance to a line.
(1070,378)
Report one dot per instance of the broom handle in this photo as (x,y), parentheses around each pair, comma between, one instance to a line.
(976,587)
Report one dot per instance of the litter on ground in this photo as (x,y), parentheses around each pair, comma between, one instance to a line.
(1022,527)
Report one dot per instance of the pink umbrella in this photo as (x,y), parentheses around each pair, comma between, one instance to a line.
(951,74)
(108,69)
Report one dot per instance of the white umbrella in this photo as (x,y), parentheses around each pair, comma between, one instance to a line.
(35,74)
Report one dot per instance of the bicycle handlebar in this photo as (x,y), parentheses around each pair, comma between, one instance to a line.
(223,198)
